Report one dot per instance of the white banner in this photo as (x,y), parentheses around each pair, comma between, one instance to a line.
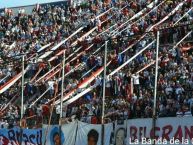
(90,134)
(67,135)
(178,131)
(120,132)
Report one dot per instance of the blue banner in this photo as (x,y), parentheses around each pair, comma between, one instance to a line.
(29,136)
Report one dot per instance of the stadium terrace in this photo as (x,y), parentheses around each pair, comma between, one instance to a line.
(104,65)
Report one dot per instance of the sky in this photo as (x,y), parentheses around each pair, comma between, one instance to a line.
(15,3)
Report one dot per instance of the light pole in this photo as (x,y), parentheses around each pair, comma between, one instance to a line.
(22,98)
(155,88)
(103,99)
(22,87)
(62,93)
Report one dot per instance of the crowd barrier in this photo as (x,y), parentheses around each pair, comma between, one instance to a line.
(123,132)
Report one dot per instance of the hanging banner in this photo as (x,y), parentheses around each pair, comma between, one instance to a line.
(120,132)
(178,131)
(65,137)
(90,134)
(12,136)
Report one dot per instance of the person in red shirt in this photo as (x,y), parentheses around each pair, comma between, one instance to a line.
(94,120)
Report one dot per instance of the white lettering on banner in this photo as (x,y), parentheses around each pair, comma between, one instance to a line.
(151,141)
(140,131)
(176,131)
(177,141)
(160,141)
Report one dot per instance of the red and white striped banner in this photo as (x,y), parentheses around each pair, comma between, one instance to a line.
(11,82)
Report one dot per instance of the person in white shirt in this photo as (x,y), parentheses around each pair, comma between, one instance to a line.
(179,113)
(187,112)
(135,79)
(51,86)
(136,83)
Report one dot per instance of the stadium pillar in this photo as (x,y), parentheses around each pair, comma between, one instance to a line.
(103,100)
(155,88)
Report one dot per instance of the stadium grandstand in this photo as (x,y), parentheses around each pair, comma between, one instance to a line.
(95,62)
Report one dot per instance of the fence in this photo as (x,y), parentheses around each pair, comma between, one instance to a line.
(134,131)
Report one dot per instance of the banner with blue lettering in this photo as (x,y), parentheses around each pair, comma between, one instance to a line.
(32,136)
(12,136)
(134,131)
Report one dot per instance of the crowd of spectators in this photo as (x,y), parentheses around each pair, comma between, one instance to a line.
(129,92)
